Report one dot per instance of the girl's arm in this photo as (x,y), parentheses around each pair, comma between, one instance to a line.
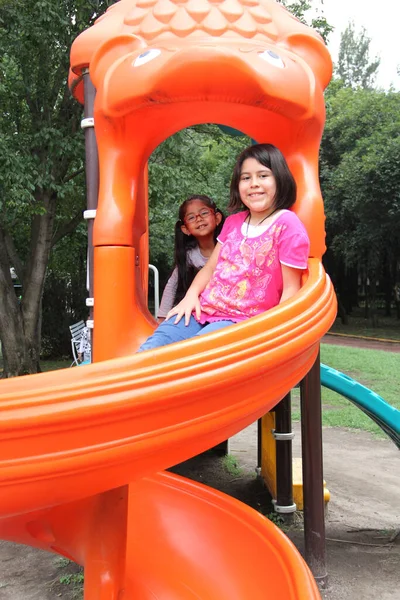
(291,282)
(191,301)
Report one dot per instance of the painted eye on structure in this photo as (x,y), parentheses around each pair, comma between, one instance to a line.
(146,57)
(272,58)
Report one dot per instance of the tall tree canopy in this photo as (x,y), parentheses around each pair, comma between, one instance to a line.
(355,67)
(360,174)
(41,159)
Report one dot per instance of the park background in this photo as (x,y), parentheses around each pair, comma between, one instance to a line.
(43,238)
(43,246)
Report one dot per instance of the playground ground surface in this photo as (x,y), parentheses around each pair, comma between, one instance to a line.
(362,525)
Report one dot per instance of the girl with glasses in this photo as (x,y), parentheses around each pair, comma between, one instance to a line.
(196,231)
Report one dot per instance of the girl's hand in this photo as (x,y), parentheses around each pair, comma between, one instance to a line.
(191,301)
(185,308)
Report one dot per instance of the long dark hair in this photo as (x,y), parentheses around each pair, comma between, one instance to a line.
(183,243)
(272,158)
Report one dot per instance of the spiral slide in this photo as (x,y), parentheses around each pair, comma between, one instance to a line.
(81,450)
(373,405)
(72,440)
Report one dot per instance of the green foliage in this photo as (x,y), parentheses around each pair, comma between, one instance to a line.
(42,147)
(276,519)
(42,186)
(354,66)
(64,293)
(301,8)
(360,178)
(71,575)
(72,579)
(230,464)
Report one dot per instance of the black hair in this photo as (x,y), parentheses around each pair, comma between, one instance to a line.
(184,243)
(272,158)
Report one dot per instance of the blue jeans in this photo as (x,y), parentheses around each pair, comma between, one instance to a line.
(168,333)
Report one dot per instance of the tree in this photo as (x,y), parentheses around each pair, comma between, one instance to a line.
(355,68)
(360,178)
(41,160)
(301,10)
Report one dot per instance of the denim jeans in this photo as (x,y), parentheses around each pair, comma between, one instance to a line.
(168,333)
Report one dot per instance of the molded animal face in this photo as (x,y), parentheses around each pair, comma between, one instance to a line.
(173,50)
(163,65)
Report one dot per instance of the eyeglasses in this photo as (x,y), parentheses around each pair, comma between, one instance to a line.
(203,214)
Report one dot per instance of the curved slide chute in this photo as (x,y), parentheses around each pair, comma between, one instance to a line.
(81,449)
(71,440)
(373,405)
(74,433)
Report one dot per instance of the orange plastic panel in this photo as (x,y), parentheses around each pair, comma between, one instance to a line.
(179,540)
(79,448)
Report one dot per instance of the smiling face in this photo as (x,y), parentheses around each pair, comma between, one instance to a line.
(200,220)
(257,188)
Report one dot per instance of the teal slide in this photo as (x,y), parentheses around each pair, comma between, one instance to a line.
(386,416)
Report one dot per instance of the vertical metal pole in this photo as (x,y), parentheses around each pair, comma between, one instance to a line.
(259,447)
(313,480)
(156,289)
(92,178)
(284,469)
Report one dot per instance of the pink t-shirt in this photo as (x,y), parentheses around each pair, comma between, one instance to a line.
(248,277)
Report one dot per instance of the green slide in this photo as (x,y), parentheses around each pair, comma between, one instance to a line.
(386,416)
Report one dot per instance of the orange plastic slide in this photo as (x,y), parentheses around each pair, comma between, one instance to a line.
(81,449)
(71,441)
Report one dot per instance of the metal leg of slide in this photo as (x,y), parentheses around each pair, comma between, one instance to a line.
(313,480)
(283,435)
(259,447)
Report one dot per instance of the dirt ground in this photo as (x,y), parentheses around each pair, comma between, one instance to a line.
(363,516)
(339,339)
(362,525)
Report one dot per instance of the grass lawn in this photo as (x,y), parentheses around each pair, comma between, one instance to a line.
(54,365)
(376,369)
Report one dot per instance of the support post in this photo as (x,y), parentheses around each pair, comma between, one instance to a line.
(313,480)
(92,181)
(284,469)
(259,447)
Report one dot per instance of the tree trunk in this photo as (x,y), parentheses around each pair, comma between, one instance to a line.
(387,284)
(19,322)
(342,311)
(15,352)
(11,329)
(372,315)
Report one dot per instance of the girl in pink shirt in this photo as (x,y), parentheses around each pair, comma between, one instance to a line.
(259,257)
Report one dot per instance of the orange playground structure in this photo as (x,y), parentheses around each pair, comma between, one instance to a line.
(82,451)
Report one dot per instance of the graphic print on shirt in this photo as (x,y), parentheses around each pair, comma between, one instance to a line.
(261,254)
(244,266)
